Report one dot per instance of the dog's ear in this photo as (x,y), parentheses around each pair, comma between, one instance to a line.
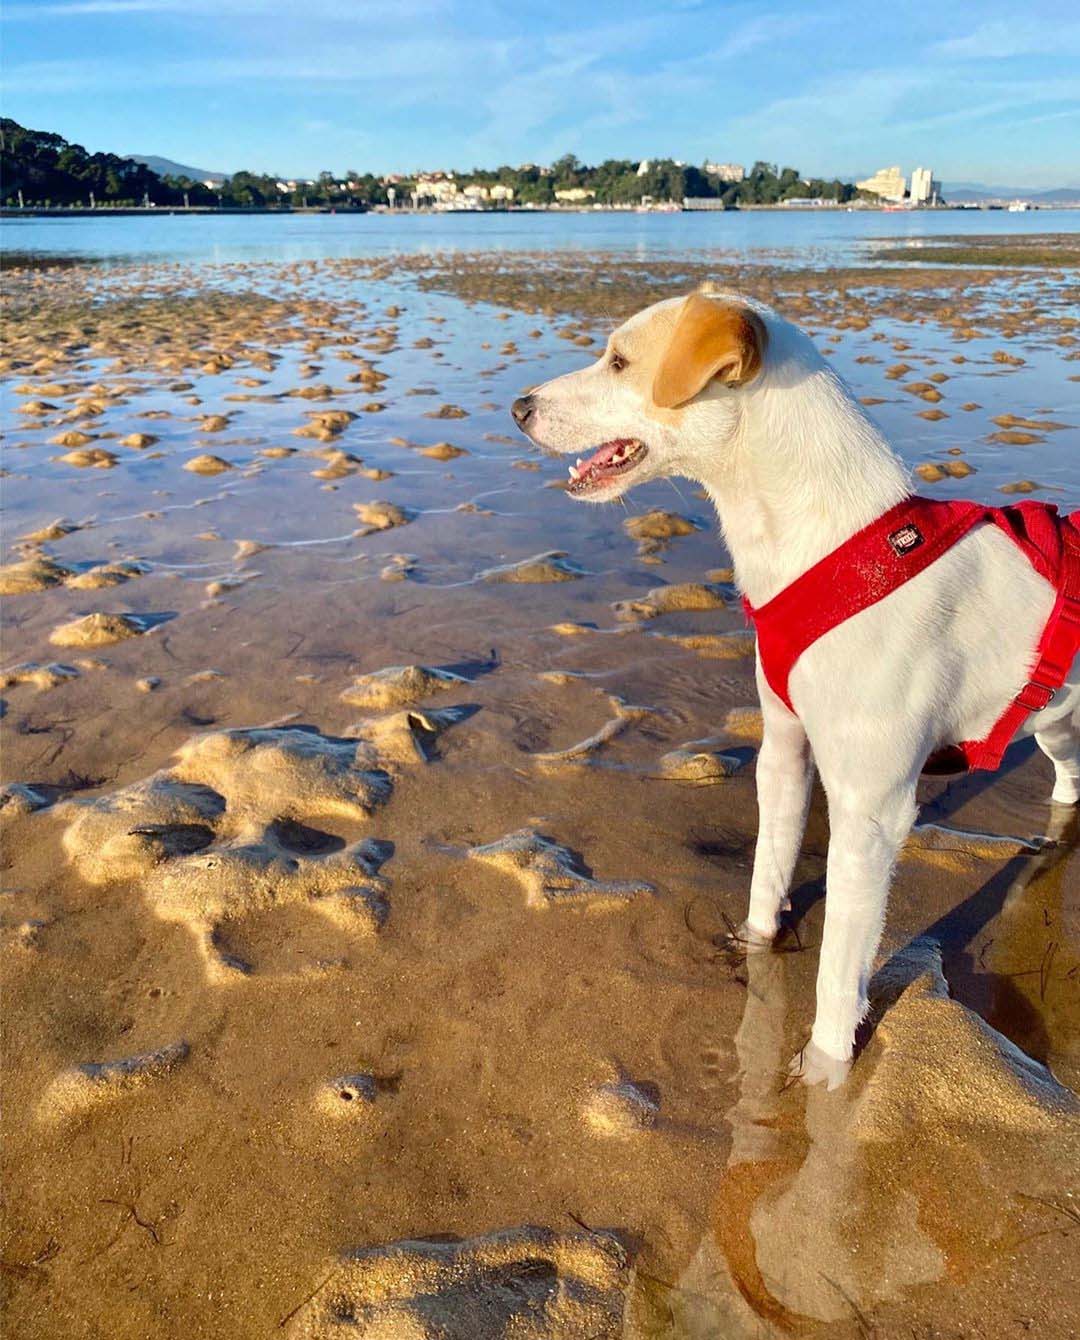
(712,338)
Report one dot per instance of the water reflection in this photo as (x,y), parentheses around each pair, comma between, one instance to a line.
(833,1204)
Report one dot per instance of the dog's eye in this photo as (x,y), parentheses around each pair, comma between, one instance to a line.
(616,362)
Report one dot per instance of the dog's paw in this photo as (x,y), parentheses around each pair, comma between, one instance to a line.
(745,939)
(813,1066)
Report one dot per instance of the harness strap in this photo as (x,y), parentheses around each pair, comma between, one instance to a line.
(1053,659)
(876,561)
(896,547)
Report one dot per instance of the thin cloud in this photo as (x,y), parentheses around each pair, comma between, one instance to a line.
(1000,40)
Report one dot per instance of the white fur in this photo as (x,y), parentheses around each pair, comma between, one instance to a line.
(794,468)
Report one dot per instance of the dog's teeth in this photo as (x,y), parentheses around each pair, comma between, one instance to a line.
(575,473)
(578,462)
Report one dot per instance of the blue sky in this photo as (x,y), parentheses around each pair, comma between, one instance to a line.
(978,91)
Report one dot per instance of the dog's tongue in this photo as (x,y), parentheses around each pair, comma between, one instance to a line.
(603,455)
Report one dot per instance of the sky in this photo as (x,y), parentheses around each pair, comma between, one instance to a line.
(985,92)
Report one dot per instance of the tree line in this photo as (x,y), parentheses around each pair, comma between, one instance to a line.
(39,168)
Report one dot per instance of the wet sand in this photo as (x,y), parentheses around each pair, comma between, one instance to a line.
(375,815)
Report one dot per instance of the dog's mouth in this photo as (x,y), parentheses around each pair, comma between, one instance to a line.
(608,462)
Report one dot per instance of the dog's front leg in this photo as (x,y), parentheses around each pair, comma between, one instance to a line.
(864,837)
(785,771)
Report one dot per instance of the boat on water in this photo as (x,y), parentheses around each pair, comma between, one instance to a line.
(1019,207)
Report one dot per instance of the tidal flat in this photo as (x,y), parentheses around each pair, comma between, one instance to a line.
(374,815)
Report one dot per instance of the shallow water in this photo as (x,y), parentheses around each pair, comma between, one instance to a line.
(824,237)
(480,1036)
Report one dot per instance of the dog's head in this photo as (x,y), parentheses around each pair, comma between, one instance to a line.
(665,394)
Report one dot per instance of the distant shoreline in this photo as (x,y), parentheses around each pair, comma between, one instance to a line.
(123,211)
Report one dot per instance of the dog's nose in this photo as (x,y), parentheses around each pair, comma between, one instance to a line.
(522,410)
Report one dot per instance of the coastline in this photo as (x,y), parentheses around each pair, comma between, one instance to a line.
(827,207)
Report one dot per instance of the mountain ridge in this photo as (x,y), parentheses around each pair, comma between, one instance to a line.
(168,167)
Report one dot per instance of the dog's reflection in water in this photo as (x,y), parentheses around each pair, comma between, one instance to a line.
(817,1218)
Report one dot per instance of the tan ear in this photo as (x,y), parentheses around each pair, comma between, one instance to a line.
(712,338)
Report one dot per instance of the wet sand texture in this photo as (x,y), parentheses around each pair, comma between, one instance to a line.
(365,919)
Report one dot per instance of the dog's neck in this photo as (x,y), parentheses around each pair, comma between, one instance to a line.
(805,471)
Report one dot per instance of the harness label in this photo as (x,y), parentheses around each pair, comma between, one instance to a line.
(905,540)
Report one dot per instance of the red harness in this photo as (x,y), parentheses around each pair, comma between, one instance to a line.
(888,553)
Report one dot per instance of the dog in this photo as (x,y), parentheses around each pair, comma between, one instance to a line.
(725,392)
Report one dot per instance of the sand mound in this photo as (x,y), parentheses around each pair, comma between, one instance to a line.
(76,1091)
(669,599)
(518,1284)
(284,771)
(622,1107)
(207,465)
(700,761)
(745,723)
(89,458)
(715,646)
(106,574)
(552,875)
(399,568)
(406,738)
(398,685)
(31,574)
(39,571)
(18,799)
(40,676)
(382,515)
(54,530)
(938,1062)
(552,566)
(98,630)
(654,530)
(956,848)
(229,831)
(443,451)
(347,1098)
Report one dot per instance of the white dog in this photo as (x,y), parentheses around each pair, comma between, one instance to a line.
(725,392)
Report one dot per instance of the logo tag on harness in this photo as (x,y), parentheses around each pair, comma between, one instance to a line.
(905,540)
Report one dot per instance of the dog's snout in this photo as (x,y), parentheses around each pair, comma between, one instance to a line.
(522,410)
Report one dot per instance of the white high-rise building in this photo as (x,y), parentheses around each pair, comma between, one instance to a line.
(924,189)
(886,182)
(727,172)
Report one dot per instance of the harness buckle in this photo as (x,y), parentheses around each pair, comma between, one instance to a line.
(1033,697)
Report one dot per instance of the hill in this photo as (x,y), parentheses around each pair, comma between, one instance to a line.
(167,167)
(972,192)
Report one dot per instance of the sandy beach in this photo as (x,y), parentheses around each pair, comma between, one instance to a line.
(374,816)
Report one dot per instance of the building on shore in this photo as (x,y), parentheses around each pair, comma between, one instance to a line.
(888,183)
(574,195)
(924,189)
(726,172)
(440,190)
